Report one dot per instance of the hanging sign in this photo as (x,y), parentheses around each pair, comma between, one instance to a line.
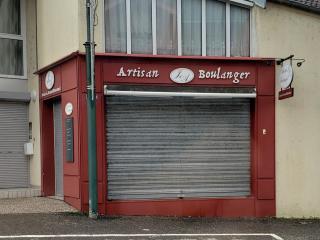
(286,78)
(287,93)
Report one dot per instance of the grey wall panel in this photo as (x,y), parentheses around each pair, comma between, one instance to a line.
(177,147)
(14,166)
(58,148)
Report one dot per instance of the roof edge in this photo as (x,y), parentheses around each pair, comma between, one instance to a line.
(78,53)
(297,5)
(55,63)
(218,58)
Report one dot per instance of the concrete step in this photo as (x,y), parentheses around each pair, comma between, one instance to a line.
(20,192)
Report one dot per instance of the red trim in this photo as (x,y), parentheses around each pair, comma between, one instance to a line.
(253,146)
(57,63)
(228,207)
(47,148)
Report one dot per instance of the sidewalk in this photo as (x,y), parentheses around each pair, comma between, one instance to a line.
(33,205)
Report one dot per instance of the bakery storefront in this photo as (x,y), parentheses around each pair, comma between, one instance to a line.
(176,136)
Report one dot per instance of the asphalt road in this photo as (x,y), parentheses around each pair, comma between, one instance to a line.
(76,226)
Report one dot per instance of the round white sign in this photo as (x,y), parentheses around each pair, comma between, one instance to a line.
(182,75)
(68,108)
(49,81)
(286,75)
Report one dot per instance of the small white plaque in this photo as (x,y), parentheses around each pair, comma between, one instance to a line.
(182,75)
(49,81)
(68,108)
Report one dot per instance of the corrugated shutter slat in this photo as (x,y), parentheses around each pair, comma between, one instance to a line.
(14,166)
(177,147)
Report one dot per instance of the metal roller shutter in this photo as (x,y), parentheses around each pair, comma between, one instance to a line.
(14,166)
(177,147)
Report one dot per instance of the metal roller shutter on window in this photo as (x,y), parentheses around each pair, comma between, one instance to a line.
(177,147)
(14,167)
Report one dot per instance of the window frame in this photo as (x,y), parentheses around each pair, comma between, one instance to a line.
(241,3)
(22,37)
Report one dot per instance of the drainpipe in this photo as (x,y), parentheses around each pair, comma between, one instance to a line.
(91,113)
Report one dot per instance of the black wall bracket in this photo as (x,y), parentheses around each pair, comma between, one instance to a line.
(279,61)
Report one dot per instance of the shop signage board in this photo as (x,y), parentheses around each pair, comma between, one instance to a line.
(192,73)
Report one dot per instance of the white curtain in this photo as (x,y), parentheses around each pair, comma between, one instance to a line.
(11,60)
(167,42)
(10,17)
(240,31)
(141,26)
(191,27)
(11,50)
(115,25)
(216,28)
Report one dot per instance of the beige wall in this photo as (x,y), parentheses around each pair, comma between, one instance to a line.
(35,163)
(58,29)
(282,31)
(63,33)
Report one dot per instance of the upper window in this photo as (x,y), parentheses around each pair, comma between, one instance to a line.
(177,27)
(11,39)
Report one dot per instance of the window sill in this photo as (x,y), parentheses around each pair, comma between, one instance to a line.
(13,77)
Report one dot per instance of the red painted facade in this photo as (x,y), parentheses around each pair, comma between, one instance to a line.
(70,77)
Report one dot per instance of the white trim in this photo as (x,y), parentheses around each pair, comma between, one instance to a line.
(128,13)
(242,3)
(12,36)
(179,27)
(142,235)
(3,76)
(178,94)
(204,28)
(154,27)
(228,29)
